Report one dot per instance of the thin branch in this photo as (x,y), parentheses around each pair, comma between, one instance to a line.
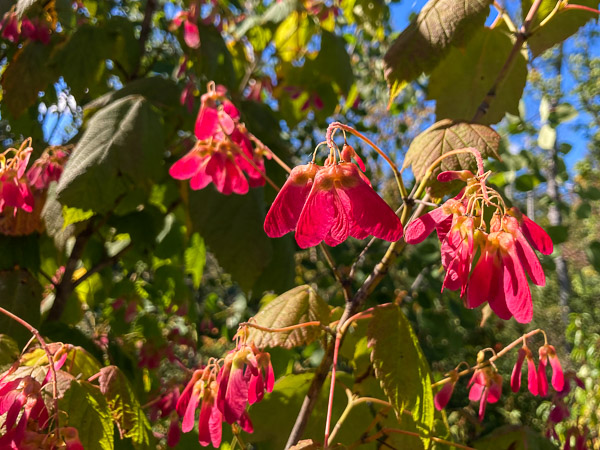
(488,362)
(518,45)
(51,367)
(144,33)
(66,286)
(103,264)
(314,323)
(343,281)
(352,307)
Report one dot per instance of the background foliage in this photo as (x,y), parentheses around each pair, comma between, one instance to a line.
(156,277)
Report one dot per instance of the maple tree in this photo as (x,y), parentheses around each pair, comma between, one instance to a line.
(157,157)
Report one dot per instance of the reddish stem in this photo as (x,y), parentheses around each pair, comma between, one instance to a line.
(501,353)
(582,8)
(336,348)
(42,342)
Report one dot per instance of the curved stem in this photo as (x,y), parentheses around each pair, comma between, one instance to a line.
(435,439)
(44,345)
(490,361)
(314,323)
(344,282)
(260,171)
(502,14)
(329,136)
(517,46)
(336,349)
(581,8)
(352,402)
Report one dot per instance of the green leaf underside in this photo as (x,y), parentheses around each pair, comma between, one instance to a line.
(121,147)
(462,80)
(86,409)
(23,79)
(402,369)
(232,228)
(514,437)
(161,92)
(558,28)
(81,59)
(298,305)
(421,46)
(20,293)
(447,135)
(9,350)
(124,406)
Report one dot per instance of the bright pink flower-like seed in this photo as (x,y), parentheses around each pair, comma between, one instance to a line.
(224,154)
(342,204)
(515,379)
(486,387)
(442,397)
(286,208)
(548,353)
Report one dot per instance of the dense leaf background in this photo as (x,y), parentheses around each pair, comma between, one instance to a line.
(145,280)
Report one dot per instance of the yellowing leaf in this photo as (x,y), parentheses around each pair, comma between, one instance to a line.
(298,305)
(293,34)
(402,369)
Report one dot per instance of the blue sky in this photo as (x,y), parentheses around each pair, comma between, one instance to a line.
(569,132)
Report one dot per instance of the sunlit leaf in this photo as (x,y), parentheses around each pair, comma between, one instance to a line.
(75,215)
(275,13)
(401,368)
(445,136)
(296,306)
(463,79)
(423,44)
(123,143)
(547,137)
(293,34)
(562,25)
(23,6)
(195,258)
(124,406)
(86,409)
